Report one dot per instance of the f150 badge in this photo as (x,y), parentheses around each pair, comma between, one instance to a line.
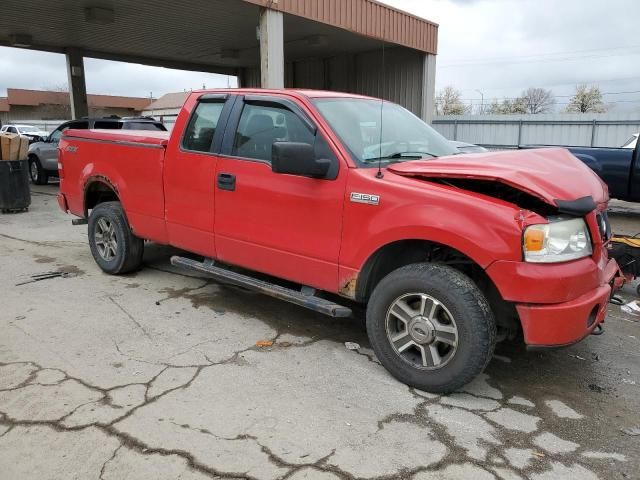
(365,198)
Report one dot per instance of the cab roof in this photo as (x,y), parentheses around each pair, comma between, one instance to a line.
(296,92)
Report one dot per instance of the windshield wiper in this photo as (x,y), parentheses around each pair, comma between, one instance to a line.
(401,155)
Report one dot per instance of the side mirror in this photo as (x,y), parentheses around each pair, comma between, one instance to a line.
(297,158)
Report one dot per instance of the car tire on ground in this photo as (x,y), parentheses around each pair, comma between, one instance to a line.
(431,327)
(36,172)
(113,245)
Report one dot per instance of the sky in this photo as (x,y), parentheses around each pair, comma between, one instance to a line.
(487,49)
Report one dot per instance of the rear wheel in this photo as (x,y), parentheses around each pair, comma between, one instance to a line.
(113,245)
(36,172)
(431,327)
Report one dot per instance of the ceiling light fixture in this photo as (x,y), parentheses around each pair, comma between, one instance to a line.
(99,15)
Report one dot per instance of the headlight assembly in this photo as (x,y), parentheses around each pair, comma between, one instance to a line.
(558,241)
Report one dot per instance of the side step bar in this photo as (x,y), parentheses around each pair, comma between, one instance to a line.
(273,290)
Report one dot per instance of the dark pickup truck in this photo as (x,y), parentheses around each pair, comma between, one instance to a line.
(619,168)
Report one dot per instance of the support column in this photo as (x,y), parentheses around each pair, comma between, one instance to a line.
(271,49)
(77,85)
(428,87)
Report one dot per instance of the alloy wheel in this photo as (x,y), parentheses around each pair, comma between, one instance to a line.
(421,331)
(105,239)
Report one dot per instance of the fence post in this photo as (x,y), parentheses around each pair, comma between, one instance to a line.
(593,132)
(455,130)
(519,132)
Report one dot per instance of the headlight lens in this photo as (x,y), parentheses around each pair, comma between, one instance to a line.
(558,241)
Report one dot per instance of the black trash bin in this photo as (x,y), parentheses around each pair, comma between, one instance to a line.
(15,194)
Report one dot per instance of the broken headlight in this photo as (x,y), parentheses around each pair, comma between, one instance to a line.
(559,240)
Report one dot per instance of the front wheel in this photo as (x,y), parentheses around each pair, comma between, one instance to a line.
(113,245)
(431,327)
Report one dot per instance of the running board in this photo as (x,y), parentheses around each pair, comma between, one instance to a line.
(273,290)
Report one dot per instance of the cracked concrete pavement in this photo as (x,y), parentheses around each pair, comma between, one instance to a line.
(157,375)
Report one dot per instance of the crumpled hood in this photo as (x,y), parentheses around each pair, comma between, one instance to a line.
(547,173)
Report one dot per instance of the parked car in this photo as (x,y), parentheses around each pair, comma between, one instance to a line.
(465,147)
(619,167)
(34,133)
(43,155)
(448,253)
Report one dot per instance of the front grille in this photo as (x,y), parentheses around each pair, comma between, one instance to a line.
(603,226)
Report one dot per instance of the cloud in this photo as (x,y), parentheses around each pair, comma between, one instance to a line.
(500,47)
(41,70)
(590,41)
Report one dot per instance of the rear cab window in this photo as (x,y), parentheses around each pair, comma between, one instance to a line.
(201,129)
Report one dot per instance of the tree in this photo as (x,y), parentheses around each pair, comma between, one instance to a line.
(587,99)
(538,100)
(507,106)
(449,102)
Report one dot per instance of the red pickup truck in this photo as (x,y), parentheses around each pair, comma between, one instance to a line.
(334,198)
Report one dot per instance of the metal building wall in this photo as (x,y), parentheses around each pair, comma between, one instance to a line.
(599,130)
(365,17)
(400,81)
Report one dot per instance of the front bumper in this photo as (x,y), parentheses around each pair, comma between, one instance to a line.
(551,314)
(564,323)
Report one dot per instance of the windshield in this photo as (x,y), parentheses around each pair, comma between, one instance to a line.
(631,143)
(404,136)
(27,128)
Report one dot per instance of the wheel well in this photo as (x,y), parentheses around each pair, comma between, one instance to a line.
(404,252)
(98,192)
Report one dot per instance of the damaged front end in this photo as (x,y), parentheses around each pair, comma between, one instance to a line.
(562,282)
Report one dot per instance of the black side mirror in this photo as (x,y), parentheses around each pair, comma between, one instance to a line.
(297,158)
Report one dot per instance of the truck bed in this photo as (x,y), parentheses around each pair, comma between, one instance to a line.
(126,158)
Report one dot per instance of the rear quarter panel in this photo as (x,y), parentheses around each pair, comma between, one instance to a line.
(133,171)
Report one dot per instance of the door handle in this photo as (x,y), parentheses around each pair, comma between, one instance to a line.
(226,181)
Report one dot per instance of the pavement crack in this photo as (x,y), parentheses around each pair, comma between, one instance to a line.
(104,465)
(131,317)
(41,244)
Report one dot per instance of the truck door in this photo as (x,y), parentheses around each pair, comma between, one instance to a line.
(190,172)
(284,225)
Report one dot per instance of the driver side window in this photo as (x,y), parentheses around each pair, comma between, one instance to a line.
(262,125)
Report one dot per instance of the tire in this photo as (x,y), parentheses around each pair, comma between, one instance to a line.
(36,172)
(457,323)
(114,247)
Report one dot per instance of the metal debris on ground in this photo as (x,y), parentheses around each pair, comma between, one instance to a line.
(352,345)
(44,276)
(632,308)
(633,431)
(264,343)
